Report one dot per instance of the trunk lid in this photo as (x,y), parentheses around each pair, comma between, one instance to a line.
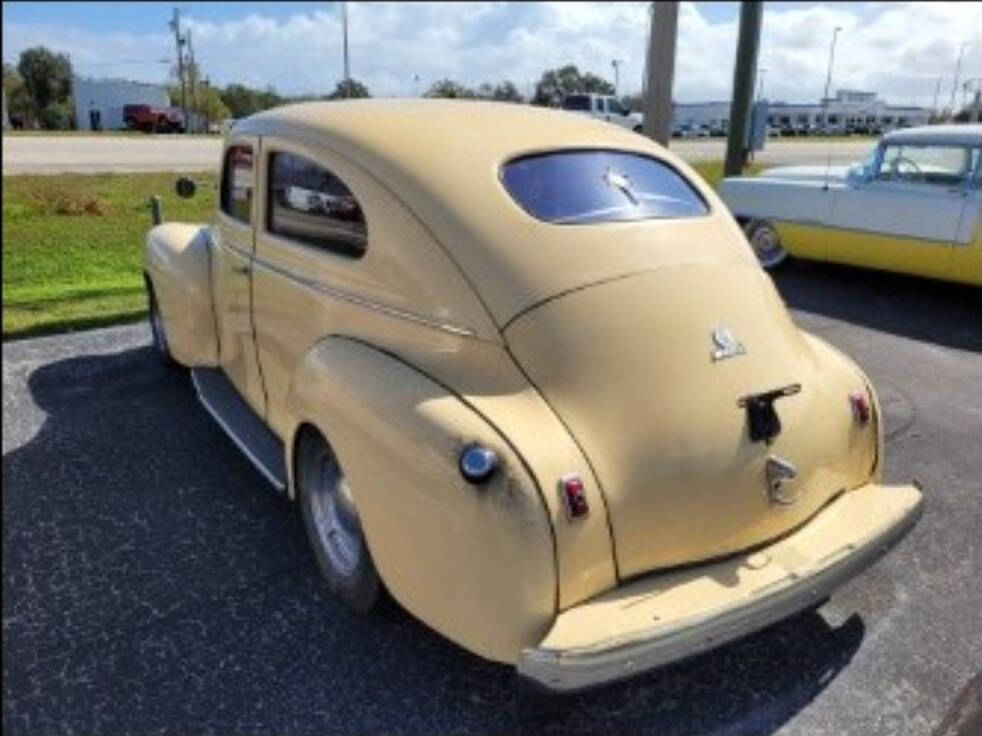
(628,367)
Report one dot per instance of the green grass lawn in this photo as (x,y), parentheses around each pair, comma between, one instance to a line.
(73,245)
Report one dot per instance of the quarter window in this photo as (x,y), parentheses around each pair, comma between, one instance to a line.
(237,183)
(309,204)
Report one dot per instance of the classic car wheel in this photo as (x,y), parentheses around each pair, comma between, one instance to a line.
(766,243)
(157,328)
(332,525)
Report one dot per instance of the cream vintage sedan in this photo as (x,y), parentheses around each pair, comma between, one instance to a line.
(913,206)
(520,369)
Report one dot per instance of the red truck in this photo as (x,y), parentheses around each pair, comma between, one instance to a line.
(151,118)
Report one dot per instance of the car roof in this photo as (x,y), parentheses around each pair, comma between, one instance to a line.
(966,134)
(442,159)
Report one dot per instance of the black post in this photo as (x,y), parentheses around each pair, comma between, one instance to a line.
(744,73)
(156,214)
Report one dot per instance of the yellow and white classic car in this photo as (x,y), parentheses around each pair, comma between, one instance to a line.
(520,369)
(914,205)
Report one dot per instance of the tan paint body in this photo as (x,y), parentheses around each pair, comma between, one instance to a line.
(568,349)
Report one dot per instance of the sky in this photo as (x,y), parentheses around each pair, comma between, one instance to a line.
(899,50)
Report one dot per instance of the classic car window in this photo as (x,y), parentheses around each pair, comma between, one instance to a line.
(310,204)
(583,187)
(941,165)
(237,183)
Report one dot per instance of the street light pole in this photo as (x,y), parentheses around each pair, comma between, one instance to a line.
(828,81)
(344,31)
(616,63)
(954,83)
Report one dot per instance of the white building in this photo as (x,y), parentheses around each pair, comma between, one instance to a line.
(848,110)
(99,102)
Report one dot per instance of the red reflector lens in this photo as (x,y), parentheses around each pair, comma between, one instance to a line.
(574,496)
(860,407)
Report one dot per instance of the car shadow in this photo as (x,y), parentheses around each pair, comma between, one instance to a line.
(154,582)
(922,309)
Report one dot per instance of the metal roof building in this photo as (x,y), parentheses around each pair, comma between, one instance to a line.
(99,102)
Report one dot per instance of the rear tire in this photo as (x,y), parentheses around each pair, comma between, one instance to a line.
(766,244)
(333,529)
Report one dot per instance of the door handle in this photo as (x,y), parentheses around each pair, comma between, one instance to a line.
(244,270)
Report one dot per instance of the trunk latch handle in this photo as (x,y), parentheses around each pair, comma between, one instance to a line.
(764,422)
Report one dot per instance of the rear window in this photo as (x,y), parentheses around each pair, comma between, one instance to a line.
(584,187)
(576,102)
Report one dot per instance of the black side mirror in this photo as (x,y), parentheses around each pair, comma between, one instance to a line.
(185,187)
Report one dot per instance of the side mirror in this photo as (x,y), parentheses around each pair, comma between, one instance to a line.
(185,187)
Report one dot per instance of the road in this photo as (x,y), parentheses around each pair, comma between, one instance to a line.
(153,583)
(87,154)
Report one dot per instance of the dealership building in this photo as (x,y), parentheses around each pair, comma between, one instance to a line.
(849,109)
(99,102)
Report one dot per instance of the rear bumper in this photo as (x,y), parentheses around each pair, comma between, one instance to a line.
(667,617)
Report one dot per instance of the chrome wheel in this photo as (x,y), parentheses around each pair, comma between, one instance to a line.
(766,244)
(335,517)
(333,527)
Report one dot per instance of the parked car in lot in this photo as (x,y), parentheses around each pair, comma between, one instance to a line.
(537,387)
(603,107)
(913,205)
(150,118)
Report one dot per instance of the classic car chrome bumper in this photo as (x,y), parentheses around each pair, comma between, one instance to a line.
(663,618)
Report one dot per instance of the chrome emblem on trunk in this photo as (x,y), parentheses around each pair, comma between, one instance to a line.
(780,471)
(727,346)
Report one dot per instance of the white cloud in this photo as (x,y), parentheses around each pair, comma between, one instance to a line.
(898,49)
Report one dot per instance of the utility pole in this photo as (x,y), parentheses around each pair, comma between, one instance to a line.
(344,32)
(661,71)
(744,72)
(193,76)
(954,83)
(934,107)
(760,83)
(175,25)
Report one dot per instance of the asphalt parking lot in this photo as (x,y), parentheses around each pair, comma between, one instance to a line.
(152,583)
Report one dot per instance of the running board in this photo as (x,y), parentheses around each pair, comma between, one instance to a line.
(246,429)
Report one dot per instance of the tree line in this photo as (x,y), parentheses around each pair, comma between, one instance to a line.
(39,91)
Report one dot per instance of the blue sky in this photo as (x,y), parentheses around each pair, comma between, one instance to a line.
(897,49)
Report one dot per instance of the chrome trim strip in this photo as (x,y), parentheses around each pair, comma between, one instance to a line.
(570,671)
(267,473)
(347,296)
(883,233)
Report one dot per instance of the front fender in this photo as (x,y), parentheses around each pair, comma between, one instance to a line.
(177,262)
(476,563)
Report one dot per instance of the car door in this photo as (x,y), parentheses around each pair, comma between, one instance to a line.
(232,276)
(309,262)
(906,214)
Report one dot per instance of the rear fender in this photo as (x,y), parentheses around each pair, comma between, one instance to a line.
(475,562)
(177,262)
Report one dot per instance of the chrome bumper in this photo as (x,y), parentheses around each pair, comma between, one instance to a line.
(577,668)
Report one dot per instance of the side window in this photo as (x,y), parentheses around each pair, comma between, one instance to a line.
(237,183)
(309,204)
(940,165)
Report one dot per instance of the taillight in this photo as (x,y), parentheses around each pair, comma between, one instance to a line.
(574,497)
(861,408)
